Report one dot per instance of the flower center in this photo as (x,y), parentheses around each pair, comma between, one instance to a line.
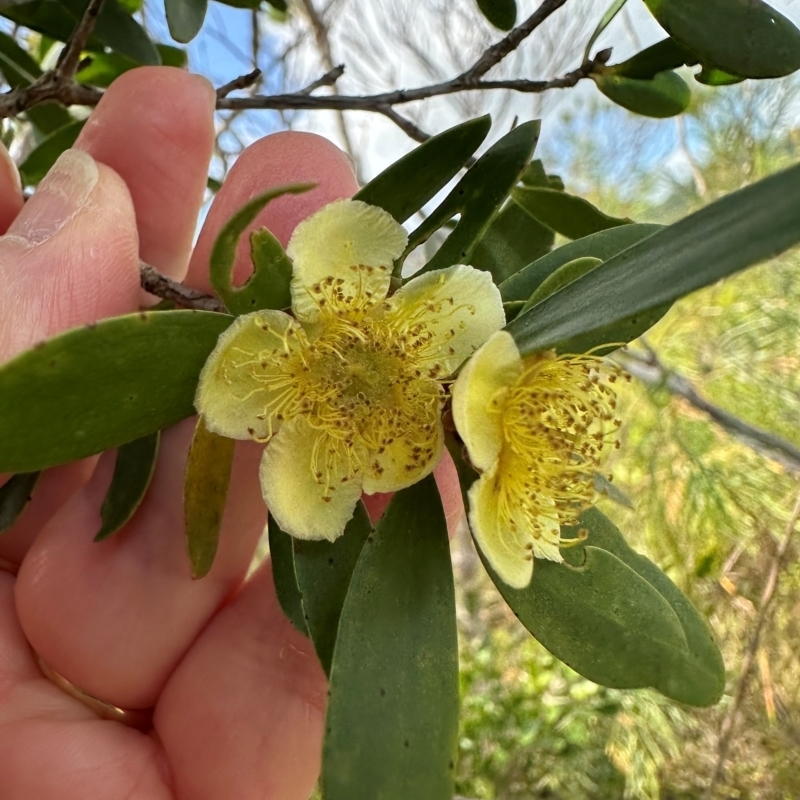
(558,426)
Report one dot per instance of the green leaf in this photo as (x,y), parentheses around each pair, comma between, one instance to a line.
(601,245)
(477,197)
(570,216)
(534,175)
(564,275)
(274,266)
(136,463)
(102,385)
(205,490)
(20,69)
(405,186)
(15,494)
(185,18)
(283,574)
(392,722)
(512,241)
(666,94)
(114,28)
(501,13)
(736,231)
(605,21)
(664,55)
(698,679)
(711,76)
(323,571)
(42,157)
(743,37)
(102,69)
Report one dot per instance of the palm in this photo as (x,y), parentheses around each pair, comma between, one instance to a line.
(238,694)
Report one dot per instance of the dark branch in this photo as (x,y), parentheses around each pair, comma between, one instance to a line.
(161,286)
(497,52)
(242,82)
(70,56)
(406,125)
(648,369)
(328,79)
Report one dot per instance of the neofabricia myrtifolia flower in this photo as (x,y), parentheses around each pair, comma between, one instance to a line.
(346,392)
(537,429)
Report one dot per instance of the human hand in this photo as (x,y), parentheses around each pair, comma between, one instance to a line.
(237,693)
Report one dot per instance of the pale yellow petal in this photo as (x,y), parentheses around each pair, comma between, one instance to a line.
(307,482)
(478,396)
(410,457)
(343,257)
(245,389)
(505,551)
(446,315)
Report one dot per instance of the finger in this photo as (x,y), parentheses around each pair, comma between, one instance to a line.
(269,163)
(115,618)
(10,190)
(70,256)
(243,714)
(41,725)
(155,127)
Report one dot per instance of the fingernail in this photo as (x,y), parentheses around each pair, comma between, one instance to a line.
(61,194)
(7,164)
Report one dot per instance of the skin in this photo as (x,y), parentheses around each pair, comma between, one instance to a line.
(239,696)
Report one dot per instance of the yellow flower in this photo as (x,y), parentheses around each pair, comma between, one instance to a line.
(537,429)
(347,392)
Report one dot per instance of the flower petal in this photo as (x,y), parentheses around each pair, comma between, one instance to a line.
(244,384)
(477,394)
(343,257)
(410,457)
(505,551)
(446,315)
(308,483)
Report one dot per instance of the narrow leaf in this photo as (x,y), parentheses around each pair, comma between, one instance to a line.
(44,155)
(102,385)
(263,285)
(732,233)
(392,720)
(102,69)
(405,186)
(477,197)
(563,276)
(664,55)
(185,18)
(513,240)
(605,21)
(15,494)
(136,463)
(323,571)
(566,214)
(283,574)
(601,245)
(501,13)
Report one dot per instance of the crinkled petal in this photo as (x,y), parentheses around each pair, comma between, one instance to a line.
(410,457)
(343,257)
(446,315)
(505,551)
(244,383)
(478,395)
(308,483)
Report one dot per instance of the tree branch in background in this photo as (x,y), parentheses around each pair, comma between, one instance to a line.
(647,368)
(726,729)
(59,86)
(161,286)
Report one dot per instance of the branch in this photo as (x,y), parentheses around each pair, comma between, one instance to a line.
(328,79)
(161,286)
(242,82)
(648,369)
(67,64)
(726,729)
(405,125)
